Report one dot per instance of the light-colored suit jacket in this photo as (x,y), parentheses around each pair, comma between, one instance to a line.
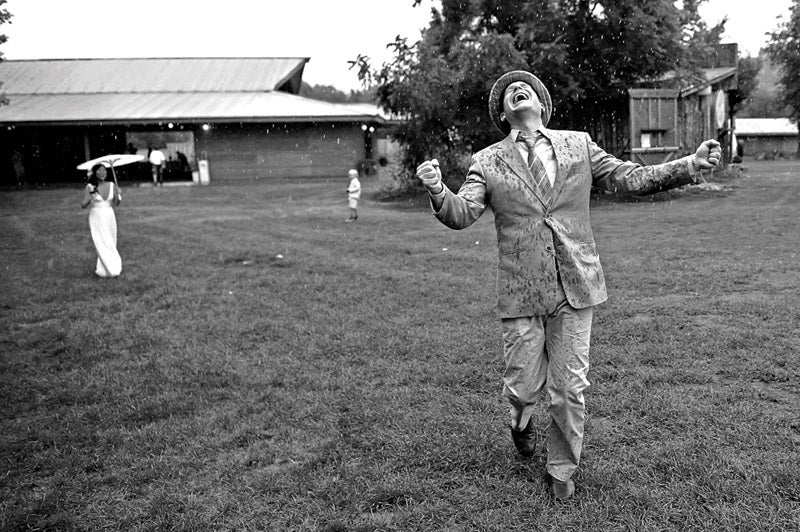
(544,235)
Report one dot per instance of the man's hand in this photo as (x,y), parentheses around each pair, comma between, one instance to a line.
(430,175)
(708,155)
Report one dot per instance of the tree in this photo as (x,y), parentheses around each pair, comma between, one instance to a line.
(586,52)
(329,93)
(759,95)
(783,48)
(5,16)
(747,69)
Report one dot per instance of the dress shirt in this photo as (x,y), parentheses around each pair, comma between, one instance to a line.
(544,150)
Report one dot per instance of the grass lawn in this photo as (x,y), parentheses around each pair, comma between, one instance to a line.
(261,365)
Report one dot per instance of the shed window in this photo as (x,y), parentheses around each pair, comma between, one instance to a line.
(652,138)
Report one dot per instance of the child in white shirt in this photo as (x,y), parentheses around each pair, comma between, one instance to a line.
(353,194)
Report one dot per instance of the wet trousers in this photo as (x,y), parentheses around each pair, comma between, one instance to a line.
(550,352)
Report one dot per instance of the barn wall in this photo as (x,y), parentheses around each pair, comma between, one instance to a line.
(606,121)
(277,151)
(696,121)
(49,154)
(769,146)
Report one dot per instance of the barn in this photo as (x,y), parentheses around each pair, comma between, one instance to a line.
(767,138)
(239,118)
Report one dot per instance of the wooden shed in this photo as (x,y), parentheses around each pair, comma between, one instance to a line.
(668,123)
(668,118)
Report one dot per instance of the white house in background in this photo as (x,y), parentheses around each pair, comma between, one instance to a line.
(767,137)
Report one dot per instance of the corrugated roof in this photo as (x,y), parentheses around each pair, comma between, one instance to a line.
(163,107)
(91,76)
(712,76)
(765,127)
(80,91)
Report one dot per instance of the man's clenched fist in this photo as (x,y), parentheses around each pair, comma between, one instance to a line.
(430,175)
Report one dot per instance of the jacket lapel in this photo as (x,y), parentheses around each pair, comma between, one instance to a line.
(560,151)
(508,152)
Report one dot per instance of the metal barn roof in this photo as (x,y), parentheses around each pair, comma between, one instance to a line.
(765,127)
(91,76)
(122,91)
(188,107)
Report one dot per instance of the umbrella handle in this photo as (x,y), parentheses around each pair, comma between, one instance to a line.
(114,176)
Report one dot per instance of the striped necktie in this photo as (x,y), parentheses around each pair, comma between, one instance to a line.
(535,165)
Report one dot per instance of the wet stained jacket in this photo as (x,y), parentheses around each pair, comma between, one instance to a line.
(543,235)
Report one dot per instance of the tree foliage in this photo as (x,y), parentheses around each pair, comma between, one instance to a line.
(758,90)
(747,69)
(784,49)
(585,52)
(329,93)
(5,16)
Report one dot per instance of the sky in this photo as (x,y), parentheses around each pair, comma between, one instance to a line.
(329,32)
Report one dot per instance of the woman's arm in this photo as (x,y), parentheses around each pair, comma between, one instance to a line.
(117,199)
(87,196)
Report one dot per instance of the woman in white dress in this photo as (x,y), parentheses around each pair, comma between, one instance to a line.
(101,197)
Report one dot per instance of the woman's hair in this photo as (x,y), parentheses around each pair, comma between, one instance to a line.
(93,176)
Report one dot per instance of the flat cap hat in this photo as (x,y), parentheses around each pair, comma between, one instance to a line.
(499,89)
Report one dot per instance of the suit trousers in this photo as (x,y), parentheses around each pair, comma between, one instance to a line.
(550,352)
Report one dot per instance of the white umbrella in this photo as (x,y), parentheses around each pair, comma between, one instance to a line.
(110,161)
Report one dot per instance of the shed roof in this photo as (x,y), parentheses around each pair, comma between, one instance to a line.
(711,76)
(765,127)
(124,91)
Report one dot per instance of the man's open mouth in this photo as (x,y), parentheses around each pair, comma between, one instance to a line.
(518,97)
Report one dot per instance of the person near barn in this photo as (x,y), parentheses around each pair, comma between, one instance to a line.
(101,197)
(537,182)
(157,163)
(353,194)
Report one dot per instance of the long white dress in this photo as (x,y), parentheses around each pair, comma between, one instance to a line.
(103,225)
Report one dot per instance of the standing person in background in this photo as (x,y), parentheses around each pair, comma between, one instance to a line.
(157,163)
(537,182)
(353,195)
(19,167)
(183,164)
(101,197)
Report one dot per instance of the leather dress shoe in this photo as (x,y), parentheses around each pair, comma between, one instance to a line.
(562,490)
(525,439)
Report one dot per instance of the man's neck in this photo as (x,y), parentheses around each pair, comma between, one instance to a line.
(529,125)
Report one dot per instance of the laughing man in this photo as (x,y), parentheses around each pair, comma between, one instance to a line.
(537,182)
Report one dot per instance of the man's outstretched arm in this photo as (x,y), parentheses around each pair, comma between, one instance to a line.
(616,175)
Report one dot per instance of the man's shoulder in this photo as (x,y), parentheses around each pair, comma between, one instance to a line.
(489,150)
(566,134)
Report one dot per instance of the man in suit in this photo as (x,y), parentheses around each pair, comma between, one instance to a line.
(537,182)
